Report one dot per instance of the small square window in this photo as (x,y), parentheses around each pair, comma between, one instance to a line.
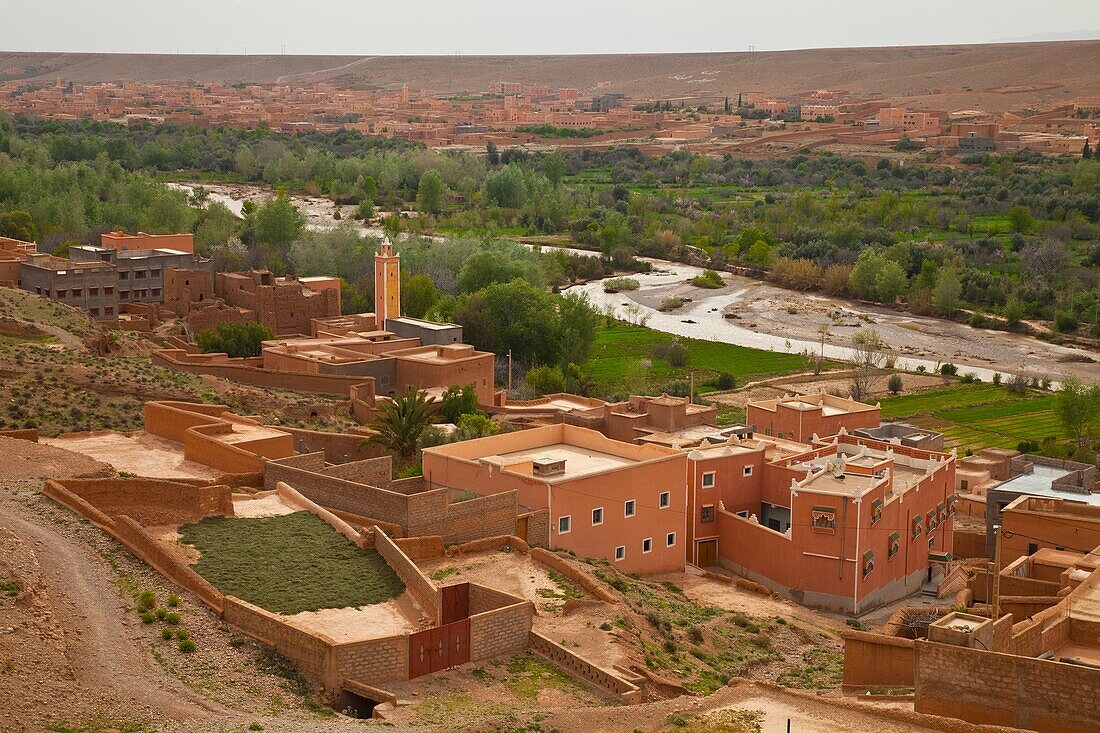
(620,553)
(61,293)
(894,545)
(665,500)
(631,508)
(597,516)
(706,514)
(647,545)
(564,524)
(670,539)
(77,292)
(868,563)
(746,471)
(708,480)
(931,542)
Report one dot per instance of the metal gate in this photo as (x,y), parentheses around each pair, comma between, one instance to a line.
(447,645)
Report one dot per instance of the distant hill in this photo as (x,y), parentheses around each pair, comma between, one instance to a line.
(993,76)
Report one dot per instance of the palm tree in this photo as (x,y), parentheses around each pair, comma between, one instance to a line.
(404,420)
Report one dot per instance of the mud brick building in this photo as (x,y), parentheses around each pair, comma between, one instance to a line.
(803,416)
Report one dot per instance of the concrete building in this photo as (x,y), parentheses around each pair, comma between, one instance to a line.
(903,434)
(140,271)
(120,241)
(1031,524)
(803,416)
(848,525)
(87,285)
(606,499)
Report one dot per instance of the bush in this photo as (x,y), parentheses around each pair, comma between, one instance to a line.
(545,380)
(148,617)
(676,353)
(161,613)
(709,279)
(235,339)
(724,381)
(187,646)
(254,725)
(1065,322)
(670,304)
(182,634)
(894,384)
(619,284)
(172,619)
(147,600)
(996,378)
(173,601)
(166,634)
(948,369)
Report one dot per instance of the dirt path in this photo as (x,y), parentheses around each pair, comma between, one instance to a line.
(73,652)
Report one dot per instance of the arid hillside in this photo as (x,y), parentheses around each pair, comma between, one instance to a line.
(994,77)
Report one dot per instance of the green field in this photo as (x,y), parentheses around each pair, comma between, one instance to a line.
(973,416)
(621,360)
(289,563)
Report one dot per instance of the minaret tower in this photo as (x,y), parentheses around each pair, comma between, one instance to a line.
(387,284)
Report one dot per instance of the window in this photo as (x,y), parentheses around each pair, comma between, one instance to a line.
(706,514)
(917,529)
(60,294)
(931,541)
(647,545)
(943,513)
(124,295)
(932,523)
(670,539)
(123,275)
(108,311)
(951,502)
(664,500)
(154,273)
(894,545)
(77,292)
(767,431)
(1032,548)
(823,519)
(630,508)
(708,480)
(868,563)
(597,516)
(620,553)
(564,524)
(964,484)
(94,312)
(109,290)
(156,292)
(755,429)
(93,292)
(876,511)
(139,275)
(746,471)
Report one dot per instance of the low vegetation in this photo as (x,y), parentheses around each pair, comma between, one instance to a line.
(289,563)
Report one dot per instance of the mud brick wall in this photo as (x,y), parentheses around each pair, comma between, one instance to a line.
(337,447)
(373,661)
(142,544)
(561,566)
(430,513)
(1002,689)
(303,473)
(538,528)
(200,446)
(500,631)
(421,548)
(484,599)
(114,496)
(372,470)
(580,667)
(309,651)
(418,584)
(240,371)
(877,659)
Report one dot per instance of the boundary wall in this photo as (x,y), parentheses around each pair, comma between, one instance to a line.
(197,426)
(604,681)
(221,365)
(562,566)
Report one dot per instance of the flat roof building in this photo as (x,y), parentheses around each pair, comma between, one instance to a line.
(800,417)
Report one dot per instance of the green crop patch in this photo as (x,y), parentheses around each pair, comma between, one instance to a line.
(289,563)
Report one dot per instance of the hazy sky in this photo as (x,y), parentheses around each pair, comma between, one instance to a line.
(370,27)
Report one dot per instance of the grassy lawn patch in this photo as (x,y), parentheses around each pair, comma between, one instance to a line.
(289,563)
(529,675)
(622,361)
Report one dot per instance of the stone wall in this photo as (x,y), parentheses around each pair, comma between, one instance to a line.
(1003,689)
(501,630)
(337,447)
(309,651)
(373,661)
(562,566)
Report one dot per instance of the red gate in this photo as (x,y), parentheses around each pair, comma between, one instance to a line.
(447,645)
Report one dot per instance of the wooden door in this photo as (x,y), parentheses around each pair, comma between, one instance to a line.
(521,528)
(707,554)
(455,600)
(420,655)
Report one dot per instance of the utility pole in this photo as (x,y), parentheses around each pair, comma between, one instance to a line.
(509,371)
(997,571)
(691,388)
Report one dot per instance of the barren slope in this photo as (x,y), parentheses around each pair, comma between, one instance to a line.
(1064,70)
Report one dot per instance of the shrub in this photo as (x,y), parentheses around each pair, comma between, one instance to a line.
(254,725)
(235,339)
(619,284)
(948,369)
(695,634)
(676,353)
(894,384)
(161,613)
(545,380)
(1065,322)
(709,279)
(166,634)
(670,304)
(182,634)
(996,378)
(148,617)
(187,646)
(172,619)
(147,600)
(173,601)
(724,381)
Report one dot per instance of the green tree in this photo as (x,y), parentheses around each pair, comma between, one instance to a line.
(505,187)
(458,401)
(513,315)
(486,267)
(890,282)
(403,421)
(278,222)
(945,294)
(218,225)
(429,193)
(235,339)
(545,380)
(1019,218)
(553,167)
(894,383)
(579,321)
(1078,409)
(475,425)
(17,225)
(418,295)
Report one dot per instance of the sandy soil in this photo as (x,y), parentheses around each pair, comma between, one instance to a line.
(141,454)
(360,624)
(268,506)
(23,459)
